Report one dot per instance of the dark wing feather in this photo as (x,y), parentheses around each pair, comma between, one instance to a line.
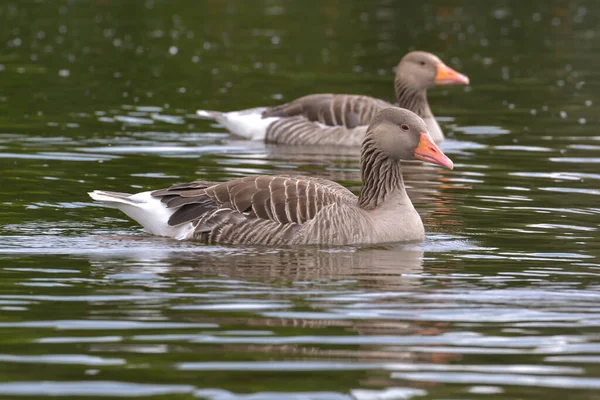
(261,199)
(182,187)
(189,212)
(183,193)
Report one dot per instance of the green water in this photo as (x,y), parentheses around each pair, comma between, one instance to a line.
(500,301)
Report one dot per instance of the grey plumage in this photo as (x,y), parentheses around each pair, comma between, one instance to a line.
(324,119)
(341,119)
(305,210)
(348,111)
(290,210)
(257,209)
(298,130)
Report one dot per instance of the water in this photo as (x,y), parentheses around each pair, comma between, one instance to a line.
(500,301)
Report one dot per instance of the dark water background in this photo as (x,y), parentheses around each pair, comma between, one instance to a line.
(501,301)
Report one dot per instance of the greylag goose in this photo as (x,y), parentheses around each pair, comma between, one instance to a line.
(342,119)
(282,210)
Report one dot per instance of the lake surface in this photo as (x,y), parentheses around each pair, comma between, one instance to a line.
(501,300)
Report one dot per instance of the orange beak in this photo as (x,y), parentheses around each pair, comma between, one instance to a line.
(448,76)
(428,151)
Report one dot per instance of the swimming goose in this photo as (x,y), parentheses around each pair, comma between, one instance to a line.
(284,209)
(342,119)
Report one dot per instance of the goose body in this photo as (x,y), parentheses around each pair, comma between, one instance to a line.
(342,119)
(285,209)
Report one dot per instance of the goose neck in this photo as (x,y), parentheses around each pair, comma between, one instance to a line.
(381,177)
(412,98)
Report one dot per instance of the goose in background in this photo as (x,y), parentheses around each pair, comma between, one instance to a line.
(342,119)
(288,210)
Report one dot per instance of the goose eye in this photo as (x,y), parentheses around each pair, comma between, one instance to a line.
(404,127)
(422,63)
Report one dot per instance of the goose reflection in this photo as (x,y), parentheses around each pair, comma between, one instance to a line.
(319,291)
(382,267)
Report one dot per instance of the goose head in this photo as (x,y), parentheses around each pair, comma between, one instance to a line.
(423,70)
(400,134)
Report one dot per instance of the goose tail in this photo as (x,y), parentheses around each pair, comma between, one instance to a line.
(210,115)
(146,210)
(248,124)
(112,199)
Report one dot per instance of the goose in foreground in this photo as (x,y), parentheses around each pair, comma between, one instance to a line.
(284,209)
(342,119)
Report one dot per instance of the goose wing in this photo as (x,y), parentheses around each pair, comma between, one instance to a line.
(240,210)
(344,110)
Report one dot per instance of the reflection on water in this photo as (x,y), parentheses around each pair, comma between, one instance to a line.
(499,301)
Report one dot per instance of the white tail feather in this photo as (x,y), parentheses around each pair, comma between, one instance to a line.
(248,123)
(208,114)
(146,210)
